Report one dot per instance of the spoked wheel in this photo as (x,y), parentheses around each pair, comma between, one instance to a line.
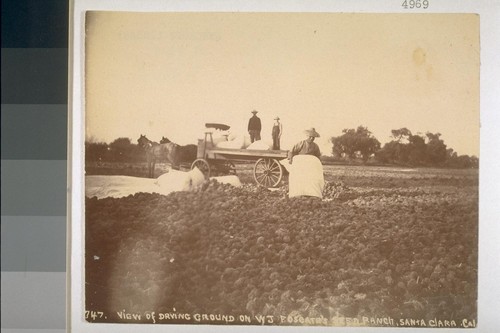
(203,166)
(268,172)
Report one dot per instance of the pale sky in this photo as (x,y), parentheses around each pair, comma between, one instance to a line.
(167,74)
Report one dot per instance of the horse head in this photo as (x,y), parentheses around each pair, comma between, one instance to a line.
(164,140)
(143,141)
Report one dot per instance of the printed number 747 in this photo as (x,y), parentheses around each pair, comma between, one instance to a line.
(93,314)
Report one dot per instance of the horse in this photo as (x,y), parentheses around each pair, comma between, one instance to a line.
(154,152)
(179,154)
(168,151)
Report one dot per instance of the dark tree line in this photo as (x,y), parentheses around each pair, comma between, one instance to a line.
(120,150)
(405,149)
(355,143)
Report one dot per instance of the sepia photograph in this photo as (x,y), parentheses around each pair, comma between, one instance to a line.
(281,168)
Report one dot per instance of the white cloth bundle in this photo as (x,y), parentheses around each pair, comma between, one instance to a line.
(259,145)
(306,176)
(122,186)
(233,144)
(175,180)
(231,180)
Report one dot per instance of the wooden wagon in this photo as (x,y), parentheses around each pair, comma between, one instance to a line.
(267,170)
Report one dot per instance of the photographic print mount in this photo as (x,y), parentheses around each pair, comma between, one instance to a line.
(229,256)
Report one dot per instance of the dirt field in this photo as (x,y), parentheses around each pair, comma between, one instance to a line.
(386,247)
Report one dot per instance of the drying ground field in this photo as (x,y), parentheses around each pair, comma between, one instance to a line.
(385,247)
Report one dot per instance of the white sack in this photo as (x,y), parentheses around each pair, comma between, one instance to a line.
(219,136)
(259,145)
(235,144)
(175,180)
(238,142)
(232,180)
(286,164)
(218,140)
(306,177)
(246,141)
(197,177)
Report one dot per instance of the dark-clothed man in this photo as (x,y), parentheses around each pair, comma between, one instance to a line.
(254,127)
(276,133)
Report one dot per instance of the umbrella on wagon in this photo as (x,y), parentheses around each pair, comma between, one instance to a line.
(221,127)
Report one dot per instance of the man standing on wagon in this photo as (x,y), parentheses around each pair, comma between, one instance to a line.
(276,133)
(254,127)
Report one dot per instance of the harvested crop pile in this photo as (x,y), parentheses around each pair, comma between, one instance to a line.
(401,253)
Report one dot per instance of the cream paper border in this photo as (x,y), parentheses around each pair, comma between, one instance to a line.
(489,229)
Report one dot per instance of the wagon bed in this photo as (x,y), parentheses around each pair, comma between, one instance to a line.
(267,170)
(245,154)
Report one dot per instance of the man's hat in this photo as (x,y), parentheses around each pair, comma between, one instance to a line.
(276,118)
(312,132)
(254,111)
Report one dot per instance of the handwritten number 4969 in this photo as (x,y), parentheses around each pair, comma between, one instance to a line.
(411,4)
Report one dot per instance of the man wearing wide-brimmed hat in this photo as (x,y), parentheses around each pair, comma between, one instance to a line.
(306,172)
(307,146)
(254,127)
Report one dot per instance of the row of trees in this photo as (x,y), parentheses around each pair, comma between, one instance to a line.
(120,150)
(406,148)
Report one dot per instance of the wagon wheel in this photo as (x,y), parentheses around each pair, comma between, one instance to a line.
(267,172)
(203,166)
